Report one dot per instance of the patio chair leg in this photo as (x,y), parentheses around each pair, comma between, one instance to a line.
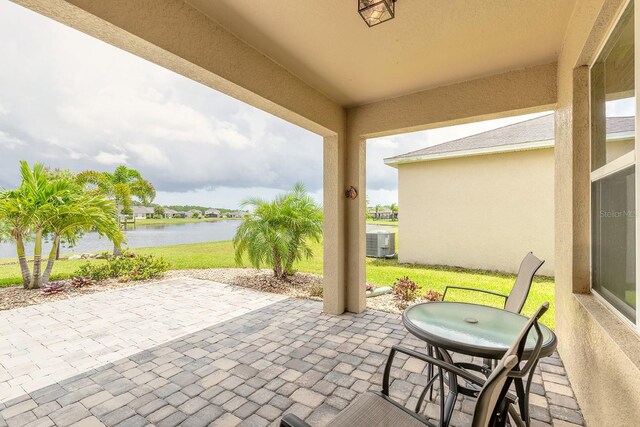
(514,417)
(430,372)
(432,376)
(428,387)
(442,408)
(488,366)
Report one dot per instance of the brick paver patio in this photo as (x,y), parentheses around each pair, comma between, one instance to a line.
(195,353)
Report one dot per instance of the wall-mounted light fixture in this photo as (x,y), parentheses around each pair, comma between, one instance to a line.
(351,193)
(376,12)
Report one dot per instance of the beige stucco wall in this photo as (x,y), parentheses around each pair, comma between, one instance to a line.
(483,211)
(514,92)
(601,354)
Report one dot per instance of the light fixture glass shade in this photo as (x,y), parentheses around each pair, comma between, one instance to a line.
(375,12)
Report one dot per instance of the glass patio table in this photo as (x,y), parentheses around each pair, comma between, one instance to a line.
(477,331)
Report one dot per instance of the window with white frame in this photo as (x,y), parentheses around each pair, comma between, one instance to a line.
(613,170)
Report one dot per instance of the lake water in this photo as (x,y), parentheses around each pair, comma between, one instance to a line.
(152,235)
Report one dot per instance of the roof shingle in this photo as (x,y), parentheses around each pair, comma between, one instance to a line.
(528,131)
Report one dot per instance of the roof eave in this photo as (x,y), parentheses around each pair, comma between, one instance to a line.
(535,145)
(394,162)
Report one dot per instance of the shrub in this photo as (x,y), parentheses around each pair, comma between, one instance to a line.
(53,288)
(405,290)
(432,295)
(81,282)
(316,290)
(93,271)
(127,266)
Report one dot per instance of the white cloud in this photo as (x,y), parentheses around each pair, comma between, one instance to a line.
(386,143)
(9,142)
(150,155)
(382,197)
(111,158)
(621,107)
(74,155)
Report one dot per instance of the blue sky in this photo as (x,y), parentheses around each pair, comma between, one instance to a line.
(71,101)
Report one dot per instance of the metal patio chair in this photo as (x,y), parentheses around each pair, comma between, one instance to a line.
(520,291)
(512,302)
(493,402)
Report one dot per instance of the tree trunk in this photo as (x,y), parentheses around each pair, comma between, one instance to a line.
(277,265)
(36,279)
(53,256)
(116,248)
(22,259)
(291,256)
(288,267)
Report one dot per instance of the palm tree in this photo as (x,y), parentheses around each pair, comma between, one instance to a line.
(52,203)
(394,210)
(82,211)
(5,232)
(15,217)
(303,218)
(378,208)
(262,238)
(121,186)
(279,232)
(27,211)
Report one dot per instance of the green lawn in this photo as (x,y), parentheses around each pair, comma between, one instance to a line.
(379,272)
(382,222)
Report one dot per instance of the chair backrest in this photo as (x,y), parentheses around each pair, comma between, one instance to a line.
(518,296)
(495,388)
(492,393)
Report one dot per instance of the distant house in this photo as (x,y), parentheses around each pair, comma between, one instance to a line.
(194,213)
(172,213)
(169,213)
(237,214)
(142,212)
(384,213)
(212,213)
(486,200)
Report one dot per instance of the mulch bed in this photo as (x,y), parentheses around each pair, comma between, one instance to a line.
(16,296)
(300,285)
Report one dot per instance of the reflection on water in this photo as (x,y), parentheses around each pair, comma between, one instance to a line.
(152,235)
(144,236)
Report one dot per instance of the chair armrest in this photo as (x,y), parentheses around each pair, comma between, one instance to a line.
(291,420)
(511,398)
(425,358)
(474,290)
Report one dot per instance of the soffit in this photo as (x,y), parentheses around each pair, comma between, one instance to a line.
(430,43)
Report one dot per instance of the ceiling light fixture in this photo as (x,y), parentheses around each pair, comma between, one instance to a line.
(376,12)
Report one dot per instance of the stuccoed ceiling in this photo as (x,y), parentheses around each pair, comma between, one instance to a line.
(430,42)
